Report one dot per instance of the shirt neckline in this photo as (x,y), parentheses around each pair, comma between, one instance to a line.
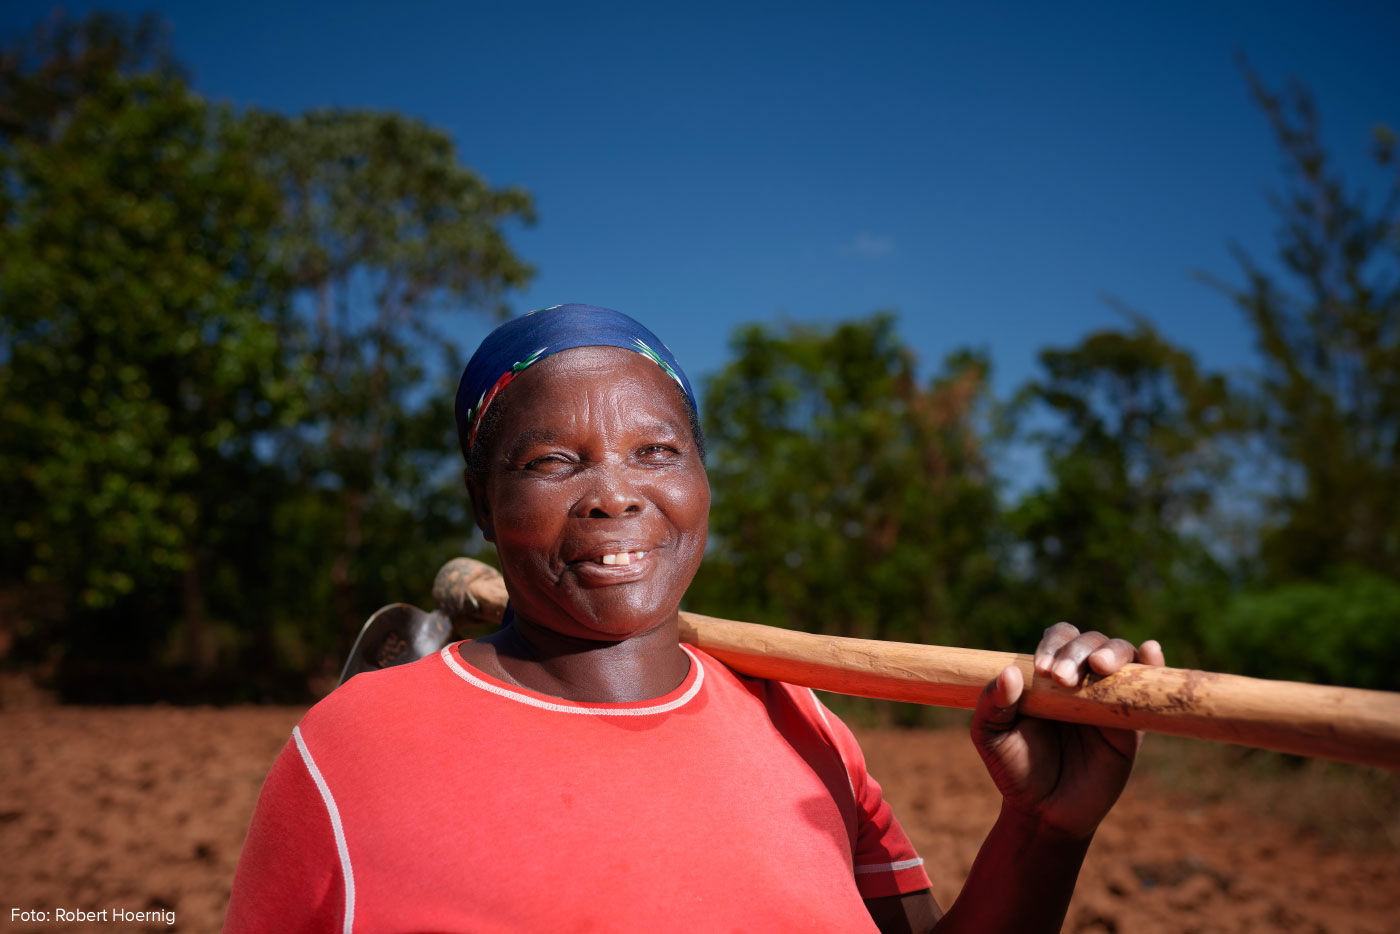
(678,697)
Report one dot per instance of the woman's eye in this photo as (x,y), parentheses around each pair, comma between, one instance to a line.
(546,462)
(658,451)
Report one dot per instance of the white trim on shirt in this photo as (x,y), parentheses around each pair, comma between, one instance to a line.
(889,867)
(449,657)
(329,800)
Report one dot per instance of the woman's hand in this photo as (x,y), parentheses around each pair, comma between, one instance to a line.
(1062,775)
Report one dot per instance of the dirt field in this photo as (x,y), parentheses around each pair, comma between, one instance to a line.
(144,809)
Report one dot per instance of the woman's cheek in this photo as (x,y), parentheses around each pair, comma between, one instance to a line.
(529,512)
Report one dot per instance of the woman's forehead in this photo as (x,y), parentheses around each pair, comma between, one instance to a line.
(522,343)
(593,383)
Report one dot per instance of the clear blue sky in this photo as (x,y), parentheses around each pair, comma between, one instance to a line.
(989,171)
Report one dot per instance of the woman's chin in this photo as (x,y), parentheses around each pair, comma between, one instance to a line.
(611,616)
(623,624)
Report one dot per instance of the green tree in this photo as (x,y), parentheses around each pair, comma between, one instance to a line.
(1338,630)
(1135,450)
(1328,332)
(848,498)
(387,240)
(140,344)
(1322,598)
(221,354)
(44,75)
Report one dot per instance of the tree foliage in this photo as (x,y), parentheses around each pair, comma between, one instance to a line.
(823,465)
(386,240)
(1328,334)
(1336,630)
(46,74)
(1136,443)
(219,361)
(142,355)
(849,498)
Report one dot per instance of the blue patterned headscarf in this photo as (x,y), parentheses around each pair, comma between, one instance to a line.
(511,348)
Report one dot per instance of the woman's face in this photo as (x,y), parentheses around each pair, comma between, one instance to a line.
(594,494)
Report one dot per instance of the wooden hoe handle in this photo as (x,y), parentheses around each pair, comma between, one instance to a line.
(1345,724)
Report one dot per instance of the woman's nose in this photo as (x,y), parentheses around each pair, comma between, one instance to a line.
(611,495)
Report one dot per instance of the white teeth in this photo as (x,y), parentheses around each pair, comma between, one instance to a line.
(623,558)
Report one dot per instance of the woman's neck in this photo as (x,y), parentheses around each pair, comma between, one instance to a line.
(641,667)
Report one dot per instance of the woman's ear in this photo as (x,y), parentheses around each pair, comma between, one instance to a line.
(481,510)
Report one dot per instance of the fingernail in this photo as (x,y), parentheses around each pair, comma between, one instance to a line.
(1042,664)
(1067,671)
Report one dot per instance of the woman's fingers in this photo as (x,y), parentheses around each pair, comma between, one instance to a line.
(996,708)
(1150,653)
(1065,653)
(1068,665)
(1051,642)
(1006,689)
(1112,655)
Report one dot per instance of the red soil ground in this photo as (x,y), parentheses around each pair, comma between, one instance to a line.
(145,809)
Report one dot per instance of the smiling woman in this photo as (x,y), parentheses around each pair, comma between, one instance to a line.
(580,768)
(597,502)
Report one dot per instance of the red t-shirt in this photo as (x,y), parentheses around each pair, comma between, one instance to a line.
(433,797)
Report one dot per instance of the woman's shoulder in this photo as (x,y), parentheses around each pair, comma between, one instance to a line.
(374,696)
(780,697)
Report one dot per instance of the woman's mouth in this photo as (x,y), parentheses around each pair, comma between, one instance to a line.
(614,567)
(622,558)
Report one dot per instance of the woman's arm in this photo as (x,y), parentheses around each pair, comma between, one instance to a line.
(289,876)
(1057,780)
(1022,880)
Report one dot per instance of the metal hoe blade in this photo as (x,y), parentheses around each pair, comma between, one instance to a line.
(396,635)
